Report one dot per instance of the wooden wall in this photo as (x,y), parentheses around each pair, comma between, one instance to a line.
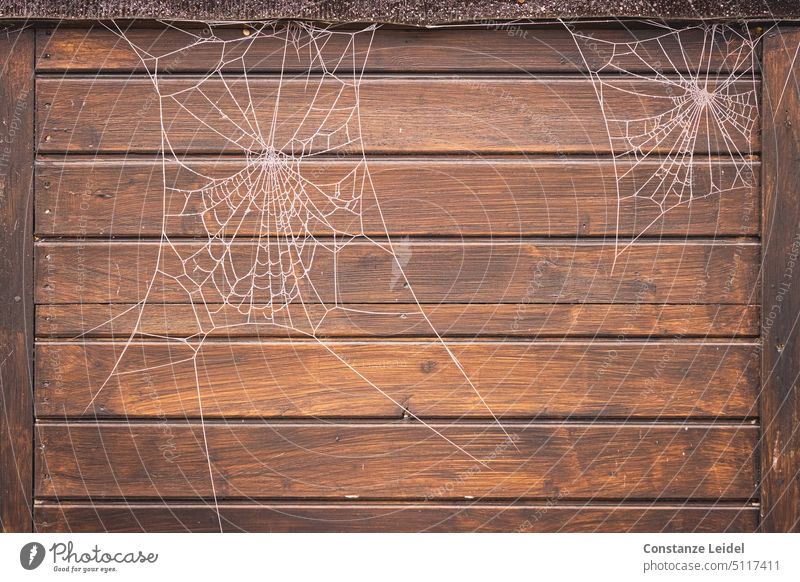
(581,362)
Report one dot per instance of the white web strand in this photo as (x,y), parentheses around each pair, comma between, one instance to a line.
(291,208)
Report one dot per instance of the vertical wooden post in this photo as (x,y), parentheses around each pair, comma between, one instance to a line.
(16,282)
(780,396)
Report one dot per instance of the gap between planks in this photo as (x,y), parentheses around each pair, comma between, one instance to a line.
(454,422)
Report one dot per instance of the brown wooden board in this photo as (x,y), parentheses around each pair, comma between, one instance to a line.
(483,114)
(376,320)
(420,196)
(402,460)
(511,48)
(780,400)
(395,517)
(16,279)
(353,379)
(437,272)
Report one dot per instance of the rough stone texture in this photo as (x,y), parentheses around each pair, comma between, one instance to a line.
(418,12)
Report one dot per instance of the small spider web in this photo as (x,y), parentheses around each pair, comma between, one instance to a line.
(701,110)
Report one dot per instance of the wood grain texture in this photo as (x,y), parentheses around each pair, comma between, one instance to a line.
(395,115)
(423,196)
(402,461)
(780,398)
(394,517)
(16,279)
(524,320)
(512,49)
(438,272)
(306,378)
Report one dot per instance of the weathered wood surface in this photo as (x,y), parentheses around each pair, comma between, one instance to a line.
(403,461)
(394,115)
(700,272)
(306,378)
(395,517)
(524,320)
(419,196)
(511,49)
(16,279)
(780,399)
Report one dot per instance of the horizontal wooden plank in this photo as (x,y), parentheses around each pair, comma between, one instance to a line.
(404,460)
(381,320)
(386,115)
(426,379)
(499,197)
(509,48)
(393,517)
(371,272)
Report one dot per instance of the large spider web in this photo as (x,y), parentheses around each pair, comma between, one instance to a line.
(298,216)
(302,219)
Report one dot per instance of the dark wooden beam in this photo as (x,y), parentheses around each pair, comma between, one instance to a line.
(780,397)
(16,279)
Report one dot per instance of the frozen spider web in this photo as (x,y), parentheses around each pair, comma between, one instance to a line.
(700,110)
(708,105)
(286,273)
(705,114)
(300,219)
